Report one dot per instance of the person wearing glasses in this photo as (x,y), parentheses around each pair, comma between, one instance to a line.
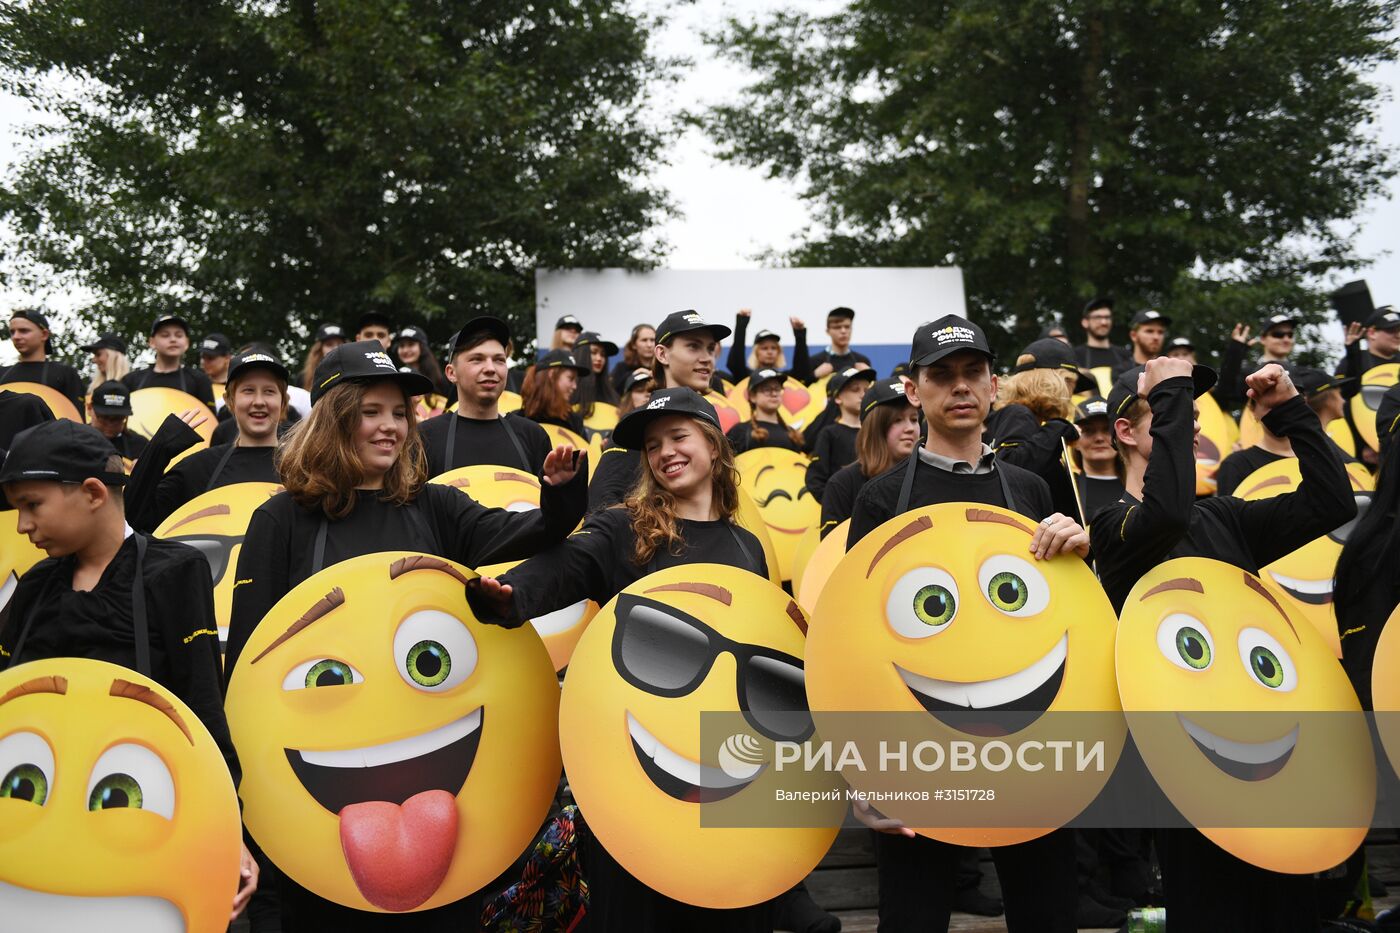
(1277,336)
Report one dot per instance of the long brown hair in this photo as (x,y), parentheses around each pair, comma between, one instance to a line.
(653,507)
(630,357)
(872,449)
(541,398)
(318,464)
(313,359)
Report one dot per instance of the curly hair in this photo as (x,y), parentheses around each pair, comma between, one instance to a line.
(653,507)
(1043,391)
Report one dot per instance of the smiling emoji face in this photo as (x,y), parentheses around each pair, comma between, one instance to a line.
(944,613)
(1366,402)
(675,644)
(214,523)
(397,754)
(1243,716)
(777,480)
(116,810)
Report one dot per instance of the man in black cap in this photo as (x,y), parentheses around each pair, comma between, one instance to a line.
(768,350)
(375,325)
(1098,351)
(111,406)
(838,355)
(30,334)
(66,482)
(1278,334)
(1147,332)
(951,380)
(836,443)
(170,339)
(477,432)
(1382,344)
(215,351)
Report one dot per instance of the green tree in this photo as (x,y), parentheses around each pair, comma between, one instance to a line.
(1201,157)
(262,166)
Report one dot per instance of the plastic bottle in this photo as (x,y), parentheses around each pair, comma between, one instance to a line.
(1148,920)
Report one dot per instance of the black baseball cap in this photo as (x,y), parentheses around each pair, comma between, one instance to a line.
(1388,416)
(363,361)
(681,322)
(1150,316)
(1095,406)
(1180,343)
(215,345)
(37,318)
(170,318)
(1050,353)
(900,369)
(949,334)
(882,392)
(760,376)
(1384,318)
(1049,331)
(631,431)
(589,337)
(838,381)
(634,378)
(493,327)
(329,332)
(1274,320)
(107,341)
(60,451)
(373,317)
(766,335)
(557,358)
(1125,389)
(416,334)
(840,314)
(1310,381)
(111,398)
(1097,302)
(568,322)
(258,359)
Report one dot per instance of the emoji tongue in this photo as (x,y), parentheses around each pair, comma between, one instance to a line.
(398,855)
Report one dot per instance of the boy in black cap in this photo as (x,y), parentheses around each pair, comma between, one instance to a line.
(952,381)
(1277,336)
(1147,331)
(30,334)
(375,325)
(1098,350)
(215,351)
(838,355)
(836,445)
(477,432)
(170,338)
(768,350)
(104,592)
(111,406)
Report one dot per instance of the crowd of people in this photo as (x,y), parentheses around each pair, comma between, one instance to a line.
(1094,443)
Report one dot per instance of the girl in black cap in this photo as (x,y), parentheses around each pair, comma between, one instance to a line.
(637,353)
(836,441)
(889,429)
(328,337)
(594,386)
(636,389)
(109,360)
(549,387)
(356,482)
(765,427)
(411,349)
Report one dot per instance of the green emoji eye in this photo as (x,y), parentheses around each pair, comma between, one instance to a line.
(1265,666)
(1008,592)
(1193,648)
(26,782)
(1267,660)
(1185,641)
(428,663)
(116,791)
(329,673)
(1013,586)
(934,605)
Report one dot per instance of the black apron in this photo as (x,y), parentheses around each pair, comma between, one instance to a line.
(907,489)
(450,464)
(43,373)
(318,551)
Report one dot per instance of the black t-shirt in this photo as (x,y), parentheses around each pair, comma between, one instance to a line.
(838,361)
(1131,536)
(278,549)
(196,474)
(53,374)
(812,433)
(20,410)
(741,436)
(130,444)
(616,474)
(186,379)
(839,496)
(1098,492)
(835,449)
(1235,468)
(1094,357)
(479,441)
(184,639)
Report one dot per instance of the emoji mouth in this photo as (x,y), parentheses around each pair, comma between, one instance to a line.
(993,707)
(394,771)
(560,620)
(1248,761)
(680,777)
(26,909)
(1310,592)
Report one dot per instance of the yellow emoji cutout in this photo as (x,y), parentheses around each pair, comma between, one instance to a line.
(58,403)
(700,638)
(801,403)
(1103,375)
(117,812)
(728,410)
(1385,687)
(777,480)
(561,435)
(1341,435)
(397,754)
(1250,429)
(1304,577)
(1241,714)
(805,546)
(820,565)
(17,556)
(1213,444)
(604,417)
(1366,402)
(508,402)
(507,488)
(149,407)
(943,615)
(214,524)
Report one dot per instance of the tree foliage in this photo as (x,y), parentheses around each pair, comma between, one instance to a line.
(262,166)
(1200,156)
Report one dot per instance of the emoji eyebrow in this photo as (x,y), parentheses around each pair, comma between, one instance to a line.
(130,691)
(203,513)
(1259,588)
(510,477)
(717,593)
(324,605)
(760,473)
(423,562)
(924,523)
(1271,481)
(795,614)
(1180,583)
(53,683)
(987,515)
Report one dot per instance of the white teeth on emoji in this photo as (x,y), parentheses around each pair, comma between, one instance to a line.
(415,746)
(985,694)
(682,768)
(1245,753)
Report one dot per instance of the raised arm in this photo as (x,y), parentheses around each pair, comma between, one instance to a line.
(738,357)
(801,360)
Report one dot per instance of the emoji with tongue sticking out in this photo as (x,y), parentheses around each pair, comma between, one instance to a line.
(684,802)
(397,754)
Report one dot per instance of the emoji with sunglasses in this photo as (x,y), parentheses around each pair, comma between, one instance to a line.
(1243,716)
(503,487)
(214,523)
(397,754)
(116,808)
(1367,401)
(776,478)
(943,616)
(700,638)
(1305,576)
